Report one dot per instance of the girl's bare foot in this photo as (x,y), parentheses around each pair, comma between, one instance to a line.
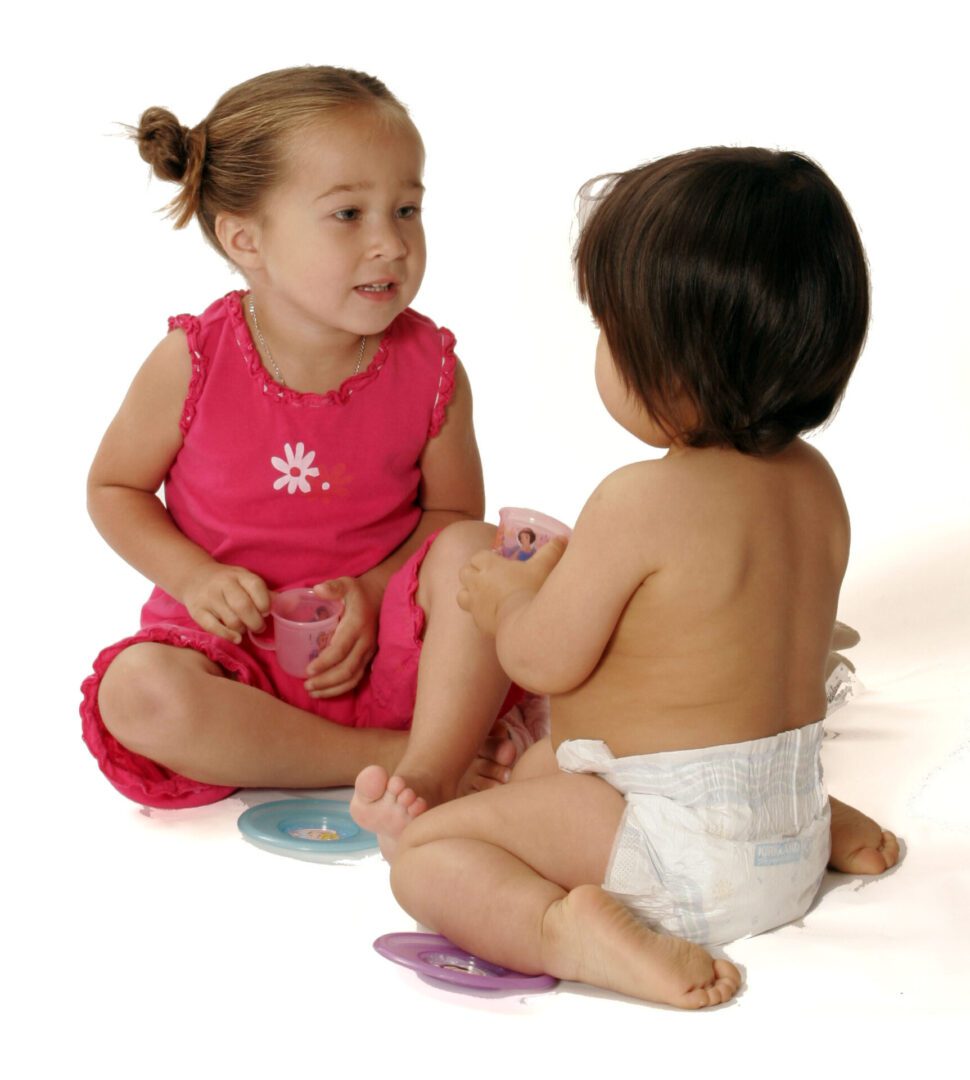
(592,938)
(384,805)
(859,845)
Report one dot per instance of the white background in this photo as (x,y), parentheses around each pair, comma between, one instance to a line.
(519,104)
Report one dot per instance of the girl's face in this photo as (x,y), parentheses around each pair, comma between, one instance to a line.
(621,404)
(340,239)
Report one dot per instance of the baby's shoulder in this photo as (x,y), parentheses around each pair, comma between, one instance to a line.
(639,478)
(632,490)
(797,464)
(802,455)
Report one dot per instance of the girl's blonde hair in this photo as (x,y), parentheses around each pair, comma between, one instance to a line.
(229,161)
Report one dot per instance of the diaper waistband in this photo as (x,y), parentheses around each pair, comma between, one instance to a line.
(775,767)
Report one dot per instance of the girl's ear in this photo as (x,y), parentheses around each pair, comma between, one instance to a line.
(240,239)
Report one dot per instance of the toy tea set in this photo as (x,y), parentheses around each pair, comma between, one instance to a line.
(316,830)
(322,830)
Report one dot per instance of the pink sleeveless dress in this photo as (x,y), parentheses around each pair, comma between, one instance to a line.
(297,488)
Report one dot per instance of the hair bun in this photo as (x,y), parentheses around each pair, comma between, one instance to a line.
(164,143)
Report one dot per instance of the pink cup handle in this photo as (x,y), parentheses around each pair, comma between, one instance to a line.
(261,642)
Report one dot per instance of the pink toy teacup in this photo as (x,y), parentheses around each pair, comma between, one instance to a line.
(303,625)
(521,532)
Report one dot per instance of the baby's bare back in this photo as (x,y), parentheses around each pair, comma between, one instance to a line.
(727,636)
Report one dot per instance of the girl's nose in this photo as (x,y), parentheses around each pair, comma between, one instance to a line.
(388,241)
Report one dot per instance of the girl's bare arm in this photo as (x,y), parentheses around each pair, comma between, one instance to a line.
(452,487)
(132,461)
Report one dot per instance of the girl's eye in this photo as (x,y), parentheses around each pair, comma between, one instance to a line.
(408,212)
(347,215)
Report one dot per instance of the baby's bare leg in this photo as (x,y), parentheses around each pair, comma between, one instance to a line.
(178,708)
(542,845)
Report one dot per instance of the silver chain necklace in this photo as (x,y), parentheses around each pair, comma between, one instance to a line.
(264,348)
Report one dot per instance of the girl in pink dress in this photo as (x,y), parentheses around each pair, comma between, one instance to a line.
(309,430)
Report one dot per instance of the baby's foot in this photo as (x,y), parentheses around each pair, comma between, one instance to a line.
(384,805)
(844,637)
(594,939)
(859,845)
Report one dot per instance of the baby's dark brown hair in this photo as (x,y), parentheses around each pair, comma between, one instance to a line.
(732,279)
(228,162)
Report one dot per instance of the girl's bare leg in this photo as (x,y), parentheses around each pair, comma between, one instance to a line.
(460,690)
(177,707)
(541,845)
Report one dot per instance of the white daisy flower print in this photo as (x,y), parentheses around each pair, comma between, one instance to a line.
(295,469)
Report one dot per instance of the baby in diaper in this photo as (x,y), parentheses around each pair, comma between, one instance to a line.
(679,803)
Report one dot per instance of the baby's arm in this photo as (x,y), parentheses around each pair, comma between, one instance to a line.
(452,489)
(134,456)
(553,616)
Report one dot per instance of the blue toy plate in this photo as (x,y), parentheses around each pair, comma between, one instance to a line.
(318,830)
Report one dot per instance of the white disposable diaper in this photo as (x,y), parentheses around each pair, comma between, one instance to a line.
(718,843)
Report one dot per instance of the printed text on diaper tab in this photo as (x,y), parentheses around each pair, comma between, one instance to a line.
(787,851)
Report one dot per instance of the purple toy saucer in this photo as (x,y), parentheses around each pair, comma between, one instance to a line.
(435,957)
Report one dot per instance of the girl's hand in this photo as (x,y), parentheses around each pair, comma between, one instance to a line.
(491,586)
(341,665)
(227,600)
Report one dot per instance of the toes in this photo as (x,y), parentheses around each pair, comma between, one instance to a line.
(869,861)
(371,783)
(889,849)
(482,775)
(698,998)
(724,984)
(498,750)
(490,770)
(728,978)
(479,781)
(406,797)
(844,637)
(505,753)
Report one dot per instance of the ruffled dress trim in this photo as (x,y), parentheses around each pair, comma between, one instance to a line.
(415,610)
(446,382)
(191,326)
(135,776)
(283,394)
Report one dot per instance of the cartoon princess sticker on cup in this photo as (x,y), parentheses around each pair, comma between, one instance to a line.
(521,532)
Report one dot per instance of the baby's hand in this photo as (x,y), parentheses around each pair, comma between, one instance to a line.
(227,600)
(489,582)
(342,664)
